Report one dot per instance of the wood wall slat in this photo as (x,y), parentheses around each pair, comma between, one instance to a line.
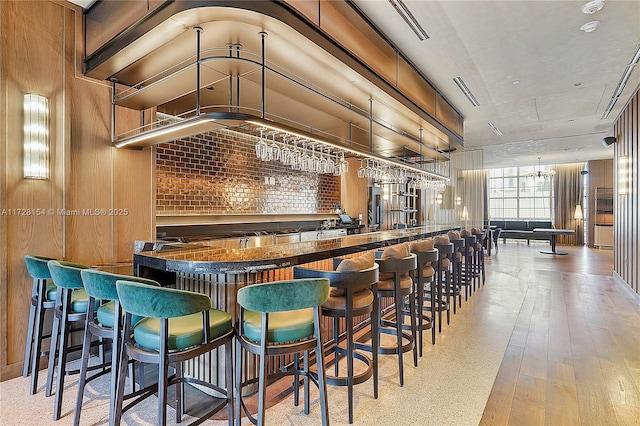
(345,26)
(310,9)
(41,39)
(627,206)
(36,66)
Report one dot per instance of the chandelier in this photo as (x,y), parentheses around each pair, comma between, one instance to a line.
(544,174)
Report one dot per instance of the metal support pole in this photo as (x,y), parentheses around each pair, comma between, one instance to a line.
(230,46)
(238,47)
(263,35)
(199,30)
(421,156)
(371,124)
(113,110)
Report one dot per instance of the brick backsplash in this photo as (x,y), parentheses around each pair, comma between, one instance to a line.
(218,173)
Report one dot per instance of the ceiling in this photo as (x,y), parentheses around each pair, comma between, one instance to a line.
(544,83)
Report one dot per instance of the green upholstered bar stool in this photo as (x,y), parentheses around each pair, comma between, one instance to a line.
(71,307)
(353,291)
(104,319)
(279,318)
(177,326)
(396,264)
(43,297)
(443,274)
(425,289)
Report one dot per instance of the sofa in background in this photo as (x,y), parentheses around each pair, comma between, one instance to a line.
(522,229)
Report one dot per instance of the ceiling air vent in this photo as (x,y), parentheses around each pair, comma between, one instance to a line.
(463,87)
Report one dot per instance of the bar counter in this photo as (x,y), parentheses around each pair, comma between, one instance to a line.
(207,257)
(217,270)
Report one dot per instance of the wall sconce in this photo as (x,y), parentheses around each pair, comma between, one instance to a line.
(439,198)
(623,175)
(458,201)
(36,137)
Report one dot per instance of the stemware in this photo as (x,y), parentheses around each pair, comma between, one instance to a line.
(261,146)
(362,172)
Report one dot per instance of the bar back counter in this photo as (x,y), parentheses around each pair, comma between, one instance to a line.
(214,268)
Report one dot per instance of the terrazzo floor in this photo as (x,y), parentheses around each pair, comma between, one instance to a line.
(450,386)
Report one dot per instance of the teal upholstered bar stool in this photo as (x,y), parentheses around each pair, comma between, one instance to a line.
(279,318)
(43,297)
(103,320)
(396,264)
(71,307)
(178,325)
(354,285)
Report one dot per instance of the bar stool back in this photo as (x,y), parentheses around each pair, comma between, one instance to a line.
(103,321)
(43,297)
(353,293)
(71,306)
(277,318)
(481,236)
(178,325)
(456,262)
(396,264)
(469,265)
(443,273)
(427,256)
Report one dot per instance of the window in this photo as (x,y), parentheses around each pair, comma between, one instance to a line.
(512,196)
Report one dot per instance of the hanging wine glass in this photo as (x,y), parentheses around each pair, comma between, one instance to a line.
(344,164)
(285,152)
(261,146)
(304,157)
(274,153)
(295,155)
(362,172)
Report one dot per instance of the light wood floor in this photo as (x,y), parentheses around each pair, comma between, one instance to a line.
(549,340)
(574,355)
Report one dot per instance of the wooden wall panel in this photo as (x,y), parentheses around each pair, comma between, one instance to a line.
(41,40)
(131,222)
(33,225)
(89,230)
(355,192)
(310,9)
(3,191)
(345,26)
(415,87)
(627,206)
(600,175)
(448,116)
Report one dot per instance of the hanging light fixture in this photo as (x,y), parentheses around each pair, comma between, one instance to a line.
(544,174)
(36,137)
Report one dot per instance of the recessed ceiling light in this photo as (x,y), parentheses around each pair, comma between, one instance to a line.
(516,81)
(592,7)
(589,26)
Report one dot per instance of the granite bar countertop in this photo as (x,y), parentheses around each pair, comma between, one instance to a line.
(205,258)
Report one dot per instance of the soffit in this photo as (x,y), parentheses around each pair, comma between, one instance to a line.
(331,82)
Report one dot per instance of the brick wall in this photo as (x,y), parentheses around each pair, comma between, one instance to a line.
(218,173)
